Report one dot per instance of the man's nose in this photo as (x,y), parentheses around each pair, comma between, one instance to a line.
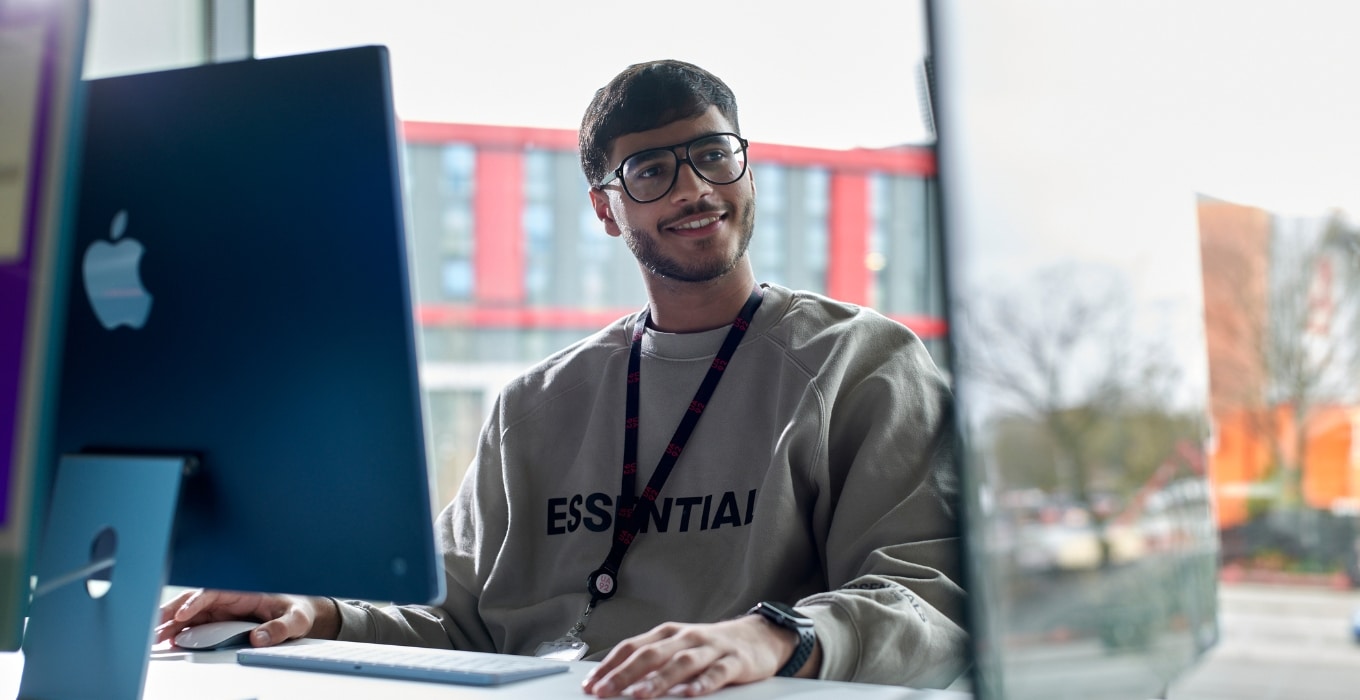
(689,184)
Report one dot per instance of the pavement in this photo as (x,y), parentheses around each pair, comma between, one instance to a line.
(1279,642)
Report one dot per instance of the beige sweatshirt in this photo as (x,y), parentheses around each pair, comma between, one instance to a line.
(821,474)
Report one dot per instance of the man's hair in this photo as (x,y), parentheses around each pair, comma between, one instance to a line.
(647,96)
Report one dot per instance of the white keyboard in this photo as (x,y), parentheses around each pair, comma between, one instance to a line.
(406,663)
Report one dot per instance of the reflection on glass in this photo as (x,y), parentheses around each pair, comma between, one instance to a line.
(1087,458)
(1081,376)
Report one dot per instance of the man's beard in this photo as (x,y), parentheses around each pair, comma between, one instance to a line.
(650,257)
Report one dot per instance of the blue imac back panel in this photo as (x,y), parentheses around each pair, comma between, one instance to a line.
(239,294)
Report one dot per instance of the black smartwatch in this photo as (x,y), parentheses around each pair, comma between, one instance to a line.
(785,616)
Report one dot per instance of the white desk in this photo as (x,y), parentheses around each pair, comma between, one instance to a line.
(217,676)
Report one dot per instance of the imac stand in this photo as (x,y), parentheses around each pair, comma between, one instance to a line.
(110,521)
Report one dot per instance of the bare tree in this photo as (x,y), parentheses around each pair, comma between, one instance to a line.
(1059,353)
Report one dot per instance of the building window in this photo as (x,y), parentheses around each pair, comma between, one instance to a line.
(569,260)
(456,217)
(789,247)
(903,257)
(439,183)
(455,418)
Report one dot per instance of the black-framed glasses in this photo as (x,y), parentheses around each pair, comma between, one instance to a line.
(648,175)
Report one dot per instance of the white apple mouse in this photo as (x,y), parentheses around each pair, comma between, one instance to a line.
(216,635)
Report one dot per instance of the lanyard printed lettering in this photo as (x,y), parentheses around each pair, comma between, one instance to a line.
(603,582)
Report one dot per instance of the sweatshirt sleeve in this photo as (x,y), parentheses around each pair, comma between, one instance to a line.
(468,532)
(895,610)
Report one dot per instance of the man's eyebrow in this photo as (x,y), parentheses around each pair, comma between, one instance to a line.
(673,146)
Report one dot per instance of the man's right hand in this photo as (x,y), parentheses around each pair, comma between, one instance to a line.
(283,617)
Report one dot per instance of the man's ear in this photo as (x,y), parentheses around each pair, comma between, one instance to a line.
(600,202)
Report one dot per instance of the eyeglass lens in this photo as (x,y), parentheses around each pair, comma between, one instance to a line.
(718,159)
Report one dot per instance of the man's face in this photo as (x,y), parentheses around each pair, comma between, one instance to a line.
(698,231)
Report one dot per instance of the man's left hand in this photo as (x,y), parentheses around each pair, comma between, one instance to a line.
(695,659)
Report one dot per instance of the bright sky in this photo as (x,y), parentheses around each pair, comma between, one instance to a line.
(802,74)
(1095,124)
(1085,130)
(1251,100)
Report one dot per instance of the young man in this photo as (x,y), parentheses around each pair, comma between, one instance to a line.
(795,517)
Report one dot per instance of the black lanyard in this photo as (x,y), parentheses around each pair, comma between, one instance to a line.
(628,519)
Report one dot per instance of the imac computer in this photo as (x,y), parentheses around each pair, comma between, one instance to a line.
(41,50)
(239,405)
(1081,375)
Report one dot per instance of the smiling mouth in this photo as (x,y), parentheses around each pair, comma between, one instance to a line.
(697,223)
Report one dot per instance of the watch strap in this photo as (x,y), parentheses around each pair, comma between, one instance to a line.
(806,640)
(785,617)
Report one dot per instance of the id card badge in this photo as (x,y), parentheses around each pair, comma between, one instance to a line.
(566,648)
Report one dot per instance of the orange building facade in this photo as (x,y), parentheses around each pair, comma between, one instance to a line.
(1240,461)
(1251,460)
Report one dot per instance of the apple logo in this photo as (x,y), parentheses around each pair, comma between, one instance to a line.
(113,280)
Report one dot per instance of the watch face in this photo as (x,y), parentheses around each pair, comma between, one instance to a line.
(784,614)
